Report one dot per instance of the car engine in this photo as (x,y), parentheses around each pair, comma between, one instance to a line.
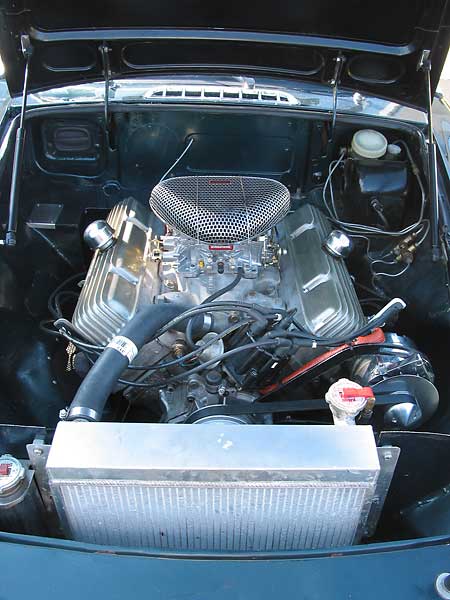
(233,239)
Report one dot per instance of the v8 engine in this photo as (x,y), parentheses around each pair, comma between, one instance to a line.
(235,239)
(224,248)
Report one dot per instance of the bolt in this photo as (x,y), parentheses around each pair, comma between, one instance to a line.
(388,456)
(38,451)
(179,349)
(442,586)
(63,414)
(234,317)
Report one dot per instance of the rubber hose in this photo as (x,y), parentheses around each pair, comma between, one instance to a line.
(90,400)
(225,289)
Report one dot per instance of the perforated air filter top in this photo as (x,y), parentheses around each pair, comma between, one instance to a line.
(219,210)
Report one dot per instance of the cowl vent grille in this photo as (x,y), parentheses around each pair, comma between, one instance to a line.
(222,94)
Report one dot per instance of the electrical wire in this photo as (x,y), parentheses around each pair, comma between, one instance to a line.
(195,353)
(368,229)
(64,327)
(201,367)
(210,299)
(95,350)
(50,303)
(177,161)
(255,312)
(62,296)
(314,342)
(216,359)
(258,313)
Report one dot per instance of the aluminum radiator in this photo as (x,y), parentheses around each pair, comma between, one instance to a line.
(216,488)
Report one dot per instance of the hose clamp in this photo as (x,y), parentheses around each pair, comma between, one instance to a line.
(83,413)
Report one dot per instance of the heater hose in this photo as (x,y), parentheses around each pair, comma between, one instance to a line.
(90,400)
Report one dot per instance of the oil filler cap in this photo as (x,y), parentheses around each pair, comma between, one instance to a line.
(99,235)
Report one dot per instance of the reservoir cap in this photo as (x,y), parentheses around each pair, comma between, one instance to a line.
(368,143)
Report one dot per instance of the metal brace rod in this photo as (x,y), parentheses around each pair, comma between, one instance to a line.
(339,63)
(11,231)
(104,52)
(425,66)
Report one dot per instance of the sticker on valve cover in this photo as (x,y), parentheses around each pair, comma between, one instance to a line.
(125,346)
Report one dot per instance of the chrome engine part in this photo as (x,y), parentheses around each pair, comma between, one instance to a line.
(122,278)
(316,283)
(190,272)
(284,267)
(220,210)
(214,488)
(407,376)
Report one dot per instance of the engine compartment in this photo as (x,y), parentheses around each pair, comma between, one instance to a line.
(298,267)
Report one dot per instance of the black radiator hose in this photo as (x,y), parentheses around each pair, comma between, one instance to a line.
(90,400)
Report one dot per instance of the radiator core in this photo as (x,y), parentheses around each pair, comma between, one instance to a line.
(233,488)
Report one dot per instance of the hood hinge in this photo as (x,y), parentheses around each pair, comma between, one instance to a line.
(424,65)
(11,231)
(334,82)
(104,52)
